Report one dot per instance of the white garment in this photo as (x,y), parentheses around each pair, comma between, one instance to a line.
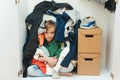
(67,69)
(74,17)
(68,25)
(62,56)
(60,10)
(46,17)
(42,50)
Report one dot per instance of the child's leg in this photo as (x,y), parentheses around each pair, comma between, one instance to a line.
(66,74)
(33,70)
(57,66)
(62,56)
(66,71)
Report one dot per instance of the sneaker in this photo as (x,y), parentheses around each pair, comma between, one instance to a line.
(88,22)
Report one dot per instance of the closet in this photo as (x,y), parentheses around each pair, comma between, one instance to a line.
(13,34)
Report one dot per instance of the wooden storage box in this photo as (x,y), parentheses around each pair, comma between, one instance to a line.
(89,40)
(88,64)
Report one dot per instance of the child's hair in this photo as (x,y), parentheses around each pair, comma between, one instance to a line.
(49,24)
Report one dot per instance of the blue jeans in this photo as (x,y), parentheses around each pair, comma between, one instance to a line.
(34,70)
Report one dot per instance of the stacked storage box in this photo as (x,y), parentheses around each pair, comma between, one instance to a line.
(89,49)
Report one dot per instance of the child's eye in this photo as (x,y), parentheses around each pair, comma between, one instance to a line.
(52,32)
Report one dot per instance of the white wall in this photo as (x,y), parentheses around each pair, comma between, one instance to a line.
(110,37)
(22,14)
(116,45)
(9,40)
(87,8)
(12,37)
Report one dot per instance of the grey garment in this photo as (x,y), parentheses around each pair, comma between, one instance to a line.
(67,69)
(102,1)
(44,49)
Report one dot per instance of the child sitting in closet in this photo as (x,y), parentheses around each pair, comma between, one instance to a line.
(46,61)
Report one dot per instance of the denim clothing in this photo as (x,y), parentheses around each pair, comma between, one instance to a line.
(73,38)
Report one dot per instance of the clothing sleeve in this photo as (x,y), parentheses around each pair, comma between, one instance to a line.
(54,49)
(59,50)
(57,53)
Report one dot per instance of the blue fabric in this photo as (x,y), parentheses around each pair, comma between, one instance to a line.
(73,46)
(89,24)
(61,21)
(34,70)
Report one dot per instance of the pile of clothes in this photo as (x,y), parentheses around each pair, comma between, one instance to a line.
(68,22)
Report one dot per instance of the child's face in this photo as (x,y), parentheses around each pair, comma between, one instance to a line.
(49,34)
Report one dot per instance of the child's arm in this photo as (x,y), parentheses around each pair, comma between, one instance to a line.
(50,60)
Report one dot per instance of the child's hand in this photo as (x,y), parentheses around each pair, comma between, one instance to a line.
(52,61)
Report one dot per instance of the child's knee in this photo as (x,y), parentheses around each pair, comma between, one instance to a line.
(31,69)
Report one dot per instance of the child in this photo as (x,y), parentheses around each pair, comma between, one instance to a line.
(54,49)
(50,67)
